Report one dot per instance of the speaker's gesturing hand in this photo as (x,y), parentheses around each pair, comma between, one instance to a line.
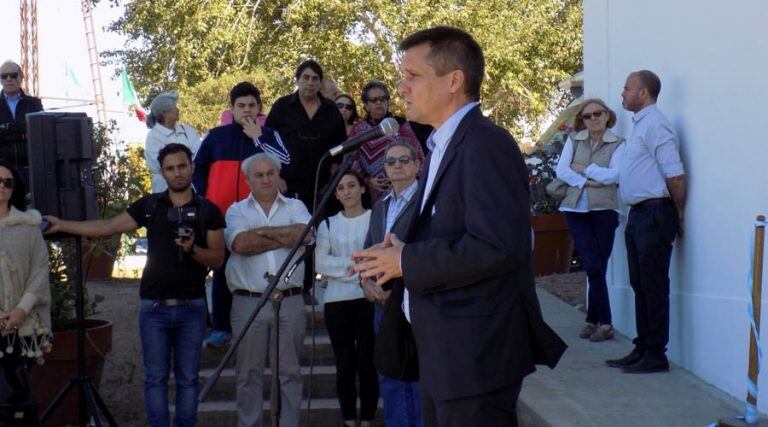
(382,262)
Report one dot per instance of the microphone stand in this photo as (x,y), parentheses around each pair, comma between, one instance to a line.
(270,294)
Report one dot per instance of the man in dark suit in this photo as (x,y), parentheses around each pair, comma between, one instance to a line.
(14,107)
(466,266)
(393,213)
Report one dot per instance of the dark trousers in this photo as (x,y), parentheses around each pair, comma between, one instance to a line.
(650,231)
(350,327)
(221,300)
(593,234)
(497,408)
(304,191)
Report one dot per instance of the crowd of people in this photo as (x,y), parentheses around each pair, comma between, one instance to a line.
(430,301)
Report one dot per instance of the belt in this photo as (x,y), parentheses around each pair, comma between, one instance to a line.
(173,302)
(648,202)
(286,293)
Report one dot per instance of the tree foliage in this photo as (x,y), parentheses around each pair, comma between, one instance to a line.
(202,47)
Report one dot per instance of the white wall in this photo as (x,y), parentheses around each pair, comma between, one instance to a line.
(712,58)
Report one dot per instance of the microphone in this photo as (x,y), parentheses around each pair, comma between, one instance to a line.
(387,127)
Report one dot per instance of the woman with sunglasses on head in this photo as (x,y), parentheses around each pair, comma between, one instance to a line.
(370,155)
(589,165)
(348,315)
(348,110)
(25,319)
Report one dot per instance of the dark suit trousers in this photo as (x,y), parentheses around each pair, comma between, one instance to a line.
(650,231)
(494,409)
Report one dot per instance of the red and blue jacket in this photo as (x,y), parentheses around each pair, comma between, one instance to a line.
(217,162)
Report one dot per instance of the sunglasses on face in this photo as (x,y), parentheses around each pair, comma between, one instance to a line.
(343,106)
(8,183)
(595,115)
(403,160)
(378,99)
(4,76)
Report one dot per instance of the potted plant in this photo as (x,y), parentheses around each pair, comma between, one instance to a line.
(120,178)
(553,245)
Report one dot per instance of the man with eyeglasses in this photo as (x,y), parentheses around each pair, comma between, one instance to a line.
(370,155)
(393,214)
(14,107)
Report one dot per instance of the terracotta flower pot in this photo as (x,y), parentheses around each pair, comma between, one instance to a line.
(61,364)
(553,246)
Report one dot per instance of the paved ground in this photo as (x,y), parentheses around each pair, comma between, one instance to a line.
(122,383)
(582,391)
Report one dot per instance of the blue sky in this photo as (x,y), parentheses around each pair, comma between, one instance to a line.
(62,43)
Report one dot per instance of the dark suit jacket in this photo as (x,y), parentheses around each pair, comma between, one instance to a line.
(467,265)
(395,352)
(13,132)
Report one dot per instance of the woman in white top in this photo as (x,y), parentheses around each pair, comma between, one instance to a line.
(163,122)
(348,315)
(589,165)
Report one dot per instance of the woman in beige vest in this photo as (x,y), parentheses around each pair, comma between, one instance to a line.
(589,165)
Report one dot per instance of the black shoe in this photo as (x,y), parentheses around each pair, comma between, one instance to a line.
(630,359)
(647,366)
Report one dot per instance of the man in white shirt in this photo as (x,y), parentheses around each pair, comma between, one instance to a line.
(652,182)
(260,230)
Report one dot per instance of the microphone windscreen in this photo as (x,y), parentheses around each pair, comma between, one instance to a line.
(389,126)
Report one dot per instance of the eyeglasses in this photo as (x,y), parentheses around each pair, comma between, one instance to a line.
(344,106)
(378,99)
(8,183)
(596,114)
(9,76)
(403,160)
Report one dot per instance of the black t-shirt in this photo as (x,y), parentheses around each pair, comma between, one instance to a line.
(306,139)
(164,275)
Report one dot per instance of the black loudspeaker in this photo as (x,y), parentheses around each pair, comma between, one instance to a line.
(61,157)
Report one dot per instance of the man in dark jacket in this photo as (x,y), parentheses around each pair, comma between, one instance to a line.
(393,213)
(466,261)
(14,107)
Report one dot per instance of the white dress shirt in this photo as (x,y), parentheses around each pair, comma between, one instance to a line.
(334,255)
(437,143)
(609,175)
(160,136)
(651,157)
(247,272)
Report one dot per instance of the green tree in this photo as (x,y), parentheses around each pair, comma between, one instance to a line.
(203,47)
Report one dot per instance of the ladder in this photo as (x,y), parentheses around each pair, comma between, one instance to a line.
(93,56)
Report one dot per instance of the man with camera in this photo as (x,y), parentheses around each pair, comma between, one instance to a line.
(185,234)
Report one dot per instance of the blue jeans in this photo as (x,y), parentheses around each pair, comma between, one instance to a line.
(171,330)
(402,406)
(593,234)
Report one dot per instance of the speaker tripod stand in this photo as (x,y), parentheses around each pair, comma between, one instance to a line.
(88,397)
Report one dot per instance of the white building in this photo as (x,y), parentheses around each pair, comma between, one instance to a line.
(712,58)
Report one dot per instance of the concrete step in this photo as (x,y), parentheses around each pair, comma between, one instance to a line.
(323,383)
(323,353)
(324,413)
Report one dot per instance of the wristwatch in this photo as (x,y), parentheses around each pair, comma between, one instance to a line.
(191,251)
